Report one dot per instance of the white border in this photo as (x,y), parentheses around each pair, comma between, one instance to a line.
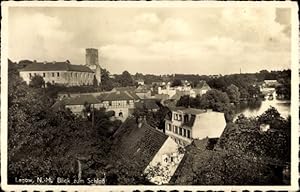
(294,99)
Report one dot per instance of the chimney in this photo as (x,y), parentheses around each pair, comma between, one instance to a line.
(141,120)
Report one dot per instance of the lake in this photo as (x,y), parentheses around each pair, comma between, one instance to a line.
(252,110)
(283,107)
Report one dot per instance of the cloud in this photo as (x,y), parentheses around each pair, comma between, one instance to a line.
(37,36)
(203,41)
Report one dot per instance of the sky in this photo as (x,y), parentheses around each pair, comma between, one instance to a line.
(195,40)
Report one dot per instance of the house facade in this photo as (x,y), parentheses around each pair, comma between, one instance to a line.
(185,124)
(62,73)
(121,102)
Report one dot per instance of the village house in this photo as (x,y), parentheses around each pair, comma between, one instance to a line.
(201,88)
(270,83)
(62,73)
(143,91)
(77,104)
(186,124)
(151,151)
(149,105)
(186,89)
(140,82)
(121,102)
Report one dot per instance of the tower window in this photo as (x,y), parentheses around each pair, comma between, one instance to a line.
(52,74)
(44,74)
(57,74)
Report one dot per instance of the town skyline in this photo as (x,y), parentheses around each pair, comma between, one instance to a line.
(156,41)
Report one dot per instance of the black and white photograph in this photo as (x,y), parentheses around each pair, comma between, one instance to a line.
(148,94)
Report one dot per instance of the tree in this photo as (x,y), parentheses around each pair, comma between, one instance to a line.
(215,99)
(37,82)
(176,82)
(184,101)
(125,79)
(47,143)
(106,81)
(233,94)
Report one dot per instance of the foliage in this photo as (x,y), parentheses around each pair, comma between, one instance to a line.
(37,82)
(125,79)
(107,83)
(42,142)
(244,155)
(176,82)
(233,93)
(214,99)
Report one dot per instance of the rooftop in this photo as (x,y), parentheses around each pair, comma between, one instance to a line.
(138,144)
(118,96)
(80,100)
(192,111)
(56,66)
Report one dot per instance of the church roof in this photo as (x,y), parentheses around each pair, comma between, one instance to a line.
(56,66)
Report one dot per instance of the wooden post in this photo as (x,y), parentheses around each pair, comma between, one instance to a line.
(79,169)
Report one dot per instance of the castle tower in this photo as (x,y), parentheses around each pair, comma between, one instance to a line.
(91,56)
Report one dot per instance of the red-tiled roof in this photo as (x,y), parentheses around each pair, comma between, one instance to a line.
(138,144)
(57,66)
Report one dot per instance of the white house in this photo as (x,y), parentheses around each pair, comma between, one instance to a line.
(185,124)
(62,73)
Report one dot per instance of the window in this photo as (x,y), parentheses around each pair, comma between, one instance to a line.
(71,74)
(120,114)
(30,75)
(34,74)
(180,131)
(52,74)
(57,74)
(44,74)
(172,159)
(186,118)
(176,130)
(184,132)
(188,134)
(109,103)
(179,117)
